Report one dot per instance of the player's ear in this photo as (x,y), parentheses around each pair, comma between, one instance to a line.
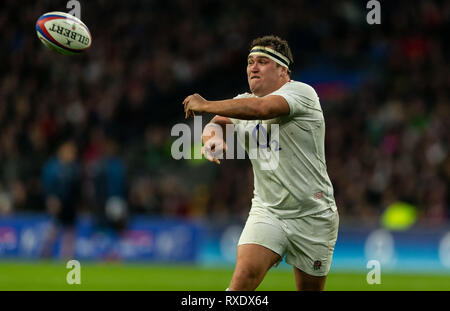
(284,72)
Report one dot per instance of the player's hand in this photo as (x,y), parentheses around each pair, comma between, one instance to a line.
(214,149)
(193,103)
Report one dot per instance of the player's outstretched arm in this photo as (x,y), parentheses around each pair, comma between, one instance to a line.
(255,108)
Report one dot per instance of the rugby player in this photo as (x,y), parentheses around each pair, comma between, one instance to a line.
(293,212)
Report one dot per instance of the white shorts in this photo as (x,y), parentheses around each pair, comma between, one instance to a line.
(308,242)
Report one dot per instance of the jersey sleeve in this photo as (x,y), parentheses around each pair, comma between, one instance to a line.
(243,95)
(301,98)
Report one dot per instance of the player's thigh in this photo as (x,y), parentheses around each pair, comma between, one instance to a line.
(263,229)
(311,242)
(255,260)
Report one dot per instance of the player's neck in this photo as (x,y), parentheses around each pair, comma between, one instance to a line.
(278,86)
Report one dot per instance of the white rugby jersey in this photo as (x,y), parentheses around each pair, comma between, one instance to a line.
(290,178)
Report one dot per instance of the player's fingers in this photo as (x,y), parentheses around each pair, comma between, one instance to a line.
(212,150)
(189,113)
(187,110)
(223,146)
(209,156)
(205,150)
(186,100)
(219,149)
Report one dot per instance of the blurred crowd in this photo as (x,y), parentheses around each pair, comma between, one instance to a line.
(387,136)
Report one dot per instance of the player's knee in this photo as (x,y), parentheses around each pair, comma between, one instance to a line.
(248,275)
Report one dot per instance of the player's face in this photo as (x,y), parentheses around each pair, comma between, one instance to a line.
(263,75)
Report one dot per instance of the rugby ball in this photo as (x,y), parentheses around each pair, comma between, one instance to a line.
(63,33)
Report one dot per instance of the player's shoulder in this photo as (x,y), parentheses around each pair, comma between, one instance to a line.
(298,84)
(299,87)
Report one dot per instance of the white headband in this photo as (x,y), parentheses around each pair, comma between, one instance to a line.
(270,53)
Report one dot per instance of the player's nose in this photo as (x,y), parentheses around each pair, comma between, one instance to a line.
(254,67)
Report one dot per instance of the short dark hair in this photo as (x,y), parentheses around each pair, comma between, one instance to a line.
(278,44)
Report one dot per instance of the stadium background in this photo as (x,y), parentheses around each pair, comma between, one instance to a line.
(383,89)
